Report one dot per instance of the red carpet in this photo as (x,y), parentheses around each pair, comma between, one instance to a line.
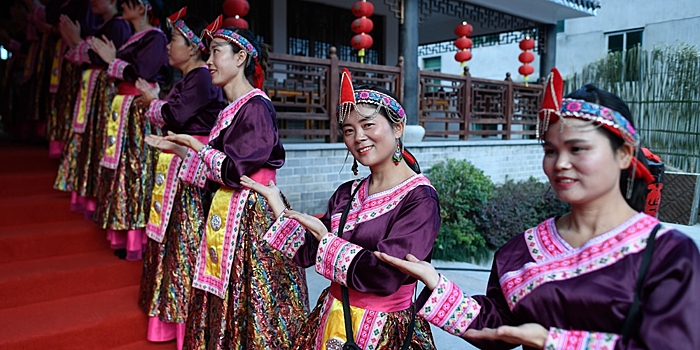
(61,287)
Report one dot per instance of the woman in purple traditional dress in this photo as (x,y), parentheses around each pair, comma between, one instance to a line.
(247,295)
(79,171)
(395,209)
(178,209)
(571,282)
(126,183)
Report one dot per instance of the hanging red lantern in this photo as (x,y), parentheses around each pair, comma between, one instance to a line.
(526,57)
(527,44)
(362,25)
(236,21)
(463,43)
(464,29)
(463,56)
(234,8)
(362,9)
(361,41)
(526,70)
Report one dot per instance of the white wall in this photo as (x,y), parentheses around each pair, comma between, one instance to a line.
(492,62)
(664,22)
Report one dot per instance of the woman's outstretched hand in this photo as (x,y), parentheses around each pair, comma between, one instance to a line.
(529,334)
(270,192)
(413,267)
(104,48)
(311,223)
(162,144)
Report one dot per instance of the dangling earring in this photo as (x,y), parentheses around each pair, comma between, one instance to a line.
(355,167)
(398,155)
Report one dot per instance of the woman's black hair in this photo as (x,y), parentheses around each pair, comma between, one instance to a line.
(592,93)
(262,49)
(407,156)
(197,25)
(157,14)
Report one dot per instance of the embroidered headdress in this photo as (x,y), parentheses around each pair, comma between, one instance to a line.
(350,98)
(554,107)
(214,31)
(175,21)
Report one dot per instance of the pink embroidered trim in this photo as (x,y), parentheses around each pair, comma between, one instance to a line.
(449,308)
(370,330)
(154,112)
(334,256)
(79,126)
(116,69)
(190,170)
(157,232)
(325,311)
(226,116)
(365,208)
(600,252)
(579,340)
(213,160)
(79,54)
(112,162)
(213,284)
(286,235)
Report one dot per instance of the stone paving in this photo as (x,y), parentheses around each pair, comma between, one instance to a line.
(471,282)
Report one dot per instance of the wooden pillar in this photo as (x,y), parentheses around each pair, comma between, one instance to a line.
(409,51)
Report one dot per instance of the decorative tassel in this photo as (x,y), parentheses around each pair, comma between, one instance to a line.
(258,76)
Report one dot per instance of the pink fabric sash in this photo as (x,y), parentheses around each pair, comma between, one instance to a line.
(401,300)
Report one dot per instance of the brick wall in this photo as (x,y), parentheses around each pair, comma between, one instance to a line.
(313,171)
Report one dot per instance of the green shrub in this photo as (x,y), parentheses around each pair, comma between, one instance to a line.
(516,207)
(463,190)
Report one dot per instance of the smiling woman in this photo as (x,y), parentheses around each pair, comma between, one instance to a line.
(394,209)
(604,275)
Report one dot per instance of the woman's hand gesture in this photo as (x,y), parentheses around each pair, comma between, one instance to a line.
(162,144)
(148,93)
(311,223)
(271,193)
(413,267)
(530,334)
(70,31)
(104,48)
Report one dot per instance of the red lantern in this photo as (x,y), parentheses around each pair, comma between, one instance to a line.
(362,25)
(463,43)
(526,70)
(526,57)
(236,22)
(362,8)
(527,44)
(463,56)
(464,29)
(234,8)
(361,41)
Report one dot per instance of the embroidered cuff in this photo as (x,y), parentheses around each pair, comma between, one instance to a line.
(116,69)
(153,113)
(558,338)
(449,308)
(334,256)
(79,54)
(286,235)
(190,170)
(213,160)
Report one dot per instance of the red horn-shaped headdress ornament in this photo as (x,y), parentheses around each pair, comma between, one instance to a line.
(178,15)
(347,96)
(213,26)
(551,102)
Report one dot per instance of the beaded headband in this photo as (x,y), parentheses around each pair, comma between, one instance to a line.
(214,32)
(175,20)
(349,98)
(555,107)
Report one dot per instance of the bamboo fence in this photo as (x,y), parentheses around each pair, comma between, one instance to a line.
(662,89)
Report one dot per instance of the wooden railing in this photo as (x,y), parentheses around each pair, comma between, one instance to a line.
(459,106)
(305,90)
